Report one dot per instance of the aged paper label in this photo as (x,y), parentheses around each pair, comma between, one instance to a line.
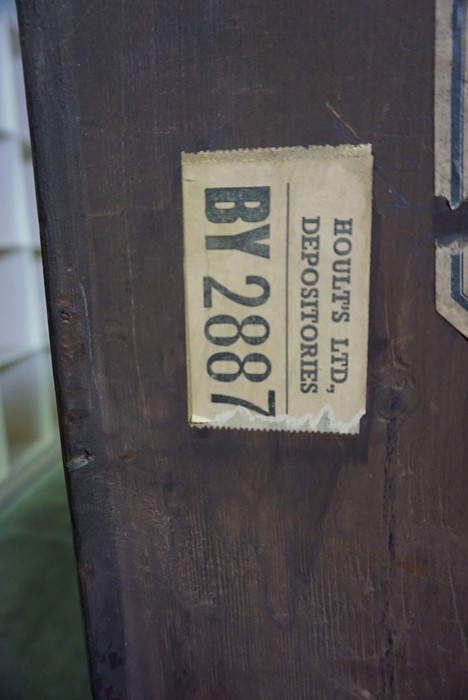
(451,101)
(452,281)
(277,256)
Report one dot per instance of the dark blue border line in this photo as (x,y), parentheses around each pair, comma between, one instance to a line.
(457,100)
(457,280)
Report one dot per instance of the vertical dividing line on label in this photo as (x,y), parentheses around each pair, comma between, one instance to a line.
(457,100)
(287,297)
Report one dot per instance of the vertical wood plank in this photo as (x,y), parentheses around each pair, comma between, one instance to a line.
(231,564)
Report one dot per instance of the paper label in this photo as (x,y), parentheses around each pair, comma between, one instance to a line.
(451,102)
(452,281)
(277,257)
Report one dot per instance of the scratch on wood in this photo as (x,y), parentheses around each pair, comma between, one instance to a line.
(412,567)
(79,23)
(127,236)
(343,122)
(80,461)
(106,214)
(89,344)
(458,619)
(402,339)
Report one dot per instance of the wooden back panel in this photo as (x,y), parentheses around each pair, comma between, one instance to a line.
(230,564)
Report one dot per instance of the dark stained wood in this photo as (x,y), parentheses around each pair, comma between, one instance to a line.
(231,565)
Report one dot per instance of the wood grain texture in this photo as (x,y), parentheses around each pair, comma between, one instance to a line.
(233,565)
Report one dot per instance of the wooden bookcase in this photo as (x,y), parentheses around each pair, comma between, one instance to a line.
(234,564)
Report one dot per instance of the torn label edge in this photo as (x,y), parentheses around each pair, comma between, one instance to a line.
(324,422)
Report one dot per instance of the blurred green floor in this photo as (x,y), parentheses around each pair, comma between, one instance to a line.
(42,653)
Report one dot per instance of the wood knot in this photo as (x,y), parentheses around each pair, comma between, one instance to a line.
(391,402)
